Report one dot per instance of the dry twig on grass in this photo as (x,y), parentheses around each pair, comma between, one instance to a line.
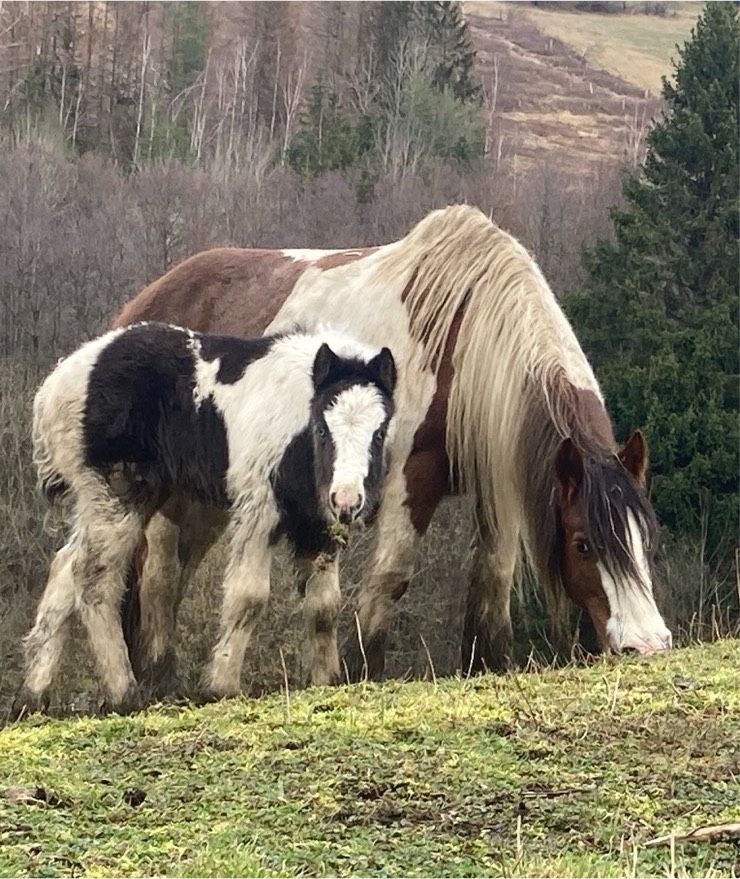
(710,833)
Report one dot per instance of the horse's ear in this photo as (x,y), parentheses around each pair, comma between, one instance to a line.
(569,468)
(634,456)
(324,364)
(383,369)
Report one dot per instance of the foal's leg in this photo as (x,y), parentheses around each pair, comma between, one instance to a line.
(320,612)
(246,591)
(487,642)
(178,537)
(44,643)
(108,537)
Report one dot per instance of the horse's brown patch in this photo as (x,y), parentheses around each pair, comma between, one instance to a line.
(427,469)
(223,290)
(343,257)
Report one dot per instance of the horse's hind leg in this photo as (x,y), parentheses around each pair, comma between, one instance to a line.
(44,643)
(488,640)
(320,611)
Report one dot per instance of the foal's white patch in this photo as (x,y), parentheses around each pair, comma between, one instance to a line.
(206,372)
(635,621)
(352,420)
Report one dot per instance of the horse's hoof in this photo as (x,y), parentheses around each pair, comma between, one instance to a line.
(27,702)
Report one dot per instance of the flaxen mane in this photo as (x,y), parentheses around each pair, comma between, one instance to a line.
(518,371)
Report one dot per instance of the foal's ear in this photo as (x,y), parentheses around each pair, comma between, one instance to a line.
(634,457)
(569,468)
(325,363)
(383,369)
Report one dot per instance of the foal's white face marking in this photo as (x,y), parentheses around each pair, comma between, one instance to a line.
(352,419)
(634,620)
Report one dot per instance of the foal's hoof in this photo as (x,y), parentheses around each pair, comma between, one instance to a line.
(129,704)
(329,679)
(364,662)
(27,702)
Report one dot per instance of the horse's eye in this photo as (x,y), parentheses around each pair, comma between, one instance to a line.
(321,432)
(583,547)
(379,436)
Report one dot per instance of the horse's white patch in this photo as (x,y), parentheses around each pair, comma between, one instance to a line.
(308,255)
(352,419)
(635,622)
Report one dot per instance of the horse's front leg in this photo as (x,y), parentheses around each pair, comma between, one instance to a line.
(319,577)
(410,498)
(245,595)
(487,643)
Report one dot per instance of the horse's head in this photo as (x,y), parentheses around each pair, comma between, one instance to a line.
(352,405)
(606,530)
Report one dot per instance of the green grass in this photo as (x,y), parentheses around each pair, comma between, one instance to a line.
(564,772)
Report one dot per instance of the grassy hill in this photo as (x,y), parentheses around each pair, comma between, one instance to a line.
(562,772)
(574,89)
(636,47)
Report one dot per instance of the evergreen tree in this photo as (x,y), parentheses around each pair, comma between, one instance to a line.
(659,315)
(452,49)
(328,138)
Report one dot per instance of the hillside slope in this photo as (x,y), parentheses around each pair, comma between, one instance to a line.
(564,772)
(575,90)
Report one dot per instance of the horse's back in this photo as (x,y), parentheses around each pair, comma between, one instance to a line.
(223,290)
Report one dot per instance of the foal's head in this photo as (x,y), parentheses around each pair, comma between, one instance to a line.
(352,405)
(606,529)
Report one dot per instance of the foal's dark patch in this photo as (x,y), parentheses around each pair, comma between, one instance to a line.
(143,429)
(235,354)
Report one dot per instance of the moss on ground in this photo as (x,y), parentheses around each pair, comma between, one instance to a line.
(563,772)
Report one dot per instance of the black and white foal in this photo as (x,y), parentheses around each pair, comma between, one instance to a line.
(286,434)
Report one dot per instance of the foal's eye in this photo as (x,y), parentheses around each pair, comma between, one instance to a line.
(321,432)
(583,547)
(378,436)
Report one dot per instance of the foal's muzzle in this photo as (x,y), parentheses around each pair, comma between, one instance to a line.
(346,506)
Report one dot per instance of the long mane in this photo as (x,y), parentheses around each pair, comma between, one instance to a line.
(518,373)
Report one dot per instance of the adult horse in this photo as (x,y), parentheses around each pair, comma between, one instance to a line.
(491,380)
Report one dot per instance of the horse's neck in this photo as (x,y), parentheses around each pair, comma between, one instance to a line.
(590,422)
